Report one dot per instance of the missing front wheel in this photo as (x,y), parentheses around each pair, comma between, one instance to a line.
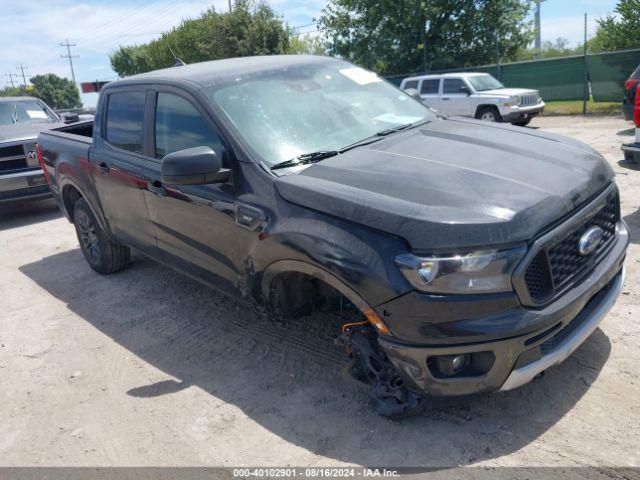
(389,395)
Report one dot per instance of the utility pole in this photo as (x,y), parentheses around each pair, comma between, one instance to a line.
(538,41)
(498,55)
(230,6)
(10,75)
(585,95)
(69,56)
(24,77)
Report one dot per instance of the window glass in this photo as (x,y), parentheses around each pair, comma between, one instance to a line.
(411,84)
(482,83)
(286,112)
(453,85)
(430,87)
(22,111)
(179,125)
(125,116)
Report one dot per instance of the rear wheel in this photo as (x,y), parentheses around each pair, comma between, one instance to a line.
(489,114)
(102,254)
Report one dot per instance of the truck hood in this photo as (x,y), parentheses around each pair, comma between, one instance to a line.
(454,184)
(25,131)
(507,92)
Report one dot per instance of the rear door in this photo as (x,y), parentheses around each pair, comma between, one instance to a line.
(119,170)
(430,92)
(195,224)
(454,100)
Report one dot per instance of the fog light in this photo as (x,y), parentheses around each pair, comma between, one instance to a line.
(451,365)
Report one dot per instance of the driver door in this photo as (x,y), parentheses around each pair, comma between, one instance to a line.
(195,224)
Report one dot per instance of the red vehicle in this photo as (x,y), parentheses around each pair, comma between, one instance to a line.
(629,100)
(632,112)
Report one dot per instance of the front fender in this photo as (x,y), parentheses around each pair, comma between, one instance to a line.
(357,262)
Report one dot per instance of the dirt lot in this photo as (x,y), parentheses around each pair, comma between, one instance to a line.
(147,367)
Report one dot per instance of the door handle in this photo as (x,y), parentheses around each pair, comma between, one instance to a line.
(156,188)
(104,168)
(447,98)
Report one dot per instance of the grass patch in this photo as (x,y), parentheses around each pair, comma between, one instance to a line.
(574,107)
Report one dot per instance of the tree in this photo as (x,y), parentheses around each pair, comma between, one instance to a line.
(622,30)
(305,45)
(559,48)
(55,91)
(251,28)
(390,36)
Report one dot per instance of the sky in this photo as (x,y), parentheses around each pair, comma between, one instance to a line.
(32,30)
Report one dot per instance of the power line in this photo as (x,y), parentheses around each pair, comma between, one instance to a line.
(24,77)
(69,56)
(10,75)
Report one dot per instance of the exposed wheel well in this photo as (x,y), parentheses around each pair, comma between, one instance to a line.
(70,195)
(482,107)
(295,294)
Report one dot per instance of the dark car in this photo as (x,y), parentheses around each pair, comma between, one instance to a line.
(472,256)
(629,100)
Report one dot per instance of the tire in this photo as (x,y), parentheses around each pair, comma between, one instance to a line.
(101,254)
(522,123)
(489,114)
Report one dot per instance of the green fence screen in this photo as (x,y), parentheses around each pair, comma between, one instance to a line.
(608,72)
(563,78)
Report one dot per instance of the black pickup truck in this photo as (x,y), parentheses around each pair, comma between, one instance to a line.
(473,256)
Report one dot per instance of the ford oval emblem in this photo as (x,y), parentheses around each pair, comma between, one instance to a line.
(590,240)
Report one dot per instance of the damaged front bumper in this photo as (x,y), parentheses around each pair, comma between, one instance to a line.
(507,363)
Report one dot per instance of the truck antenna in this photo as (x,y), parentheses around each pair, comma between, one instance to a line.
(179,62)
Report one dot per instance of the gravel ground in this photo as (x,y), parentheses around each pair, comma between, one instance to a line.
(147,367)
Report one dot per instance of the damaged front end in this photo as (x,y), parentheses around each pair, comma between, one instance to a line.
(389,395)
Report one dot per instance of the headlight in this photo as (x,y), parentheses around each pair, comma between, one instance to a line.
(480,272)
(513,101)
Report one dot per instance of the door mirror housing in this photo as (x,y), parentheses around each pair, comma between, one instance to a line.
(464,89)
(195,166)
(412,92)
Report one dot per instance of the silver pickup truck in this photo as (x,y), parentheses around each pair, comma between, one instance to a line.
(21,120)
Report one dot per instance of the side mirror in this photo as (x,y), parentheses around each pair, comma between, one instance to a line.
(412,92)
(464,89)
(70,117)
(194,166)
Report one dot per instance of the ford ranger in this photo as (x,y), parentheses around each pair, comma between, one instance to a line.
(472,255)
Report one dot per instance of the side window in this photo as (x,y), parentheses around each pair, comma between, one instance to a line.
(453,85)
(179,125)
(125,116)
(430,87)
(411,84)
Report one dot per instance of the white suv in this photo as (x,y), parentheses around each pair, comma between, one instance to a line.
(476,95)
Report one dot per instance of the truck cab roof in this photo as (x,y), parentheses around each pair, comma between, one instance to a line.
(206,74)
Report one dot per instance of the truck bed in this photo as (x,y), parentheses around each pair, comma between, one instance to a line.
(80,132)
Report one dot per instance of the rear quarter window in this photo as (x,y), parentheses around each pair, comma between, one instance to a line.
(411,84)
(125,119)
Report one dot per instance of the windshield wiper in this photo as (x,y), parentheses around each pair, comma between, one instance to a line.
(306,159)
(383,133)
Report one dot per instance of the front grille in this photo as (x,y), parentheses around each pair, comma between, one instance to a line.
(527,100)
(12,151)
(10,165)
(12,158)
(557,265)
